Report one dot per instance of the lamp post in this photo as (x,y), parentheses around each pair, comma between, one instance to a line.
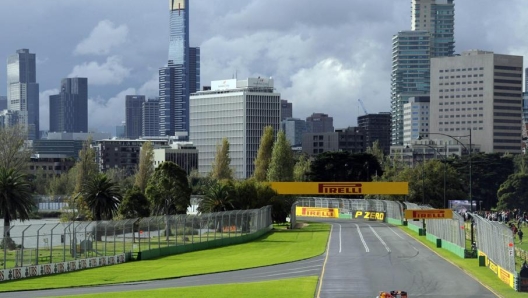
(470,150)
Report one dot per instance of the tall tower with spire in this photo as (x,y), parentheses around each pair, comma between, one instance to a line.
(181,76)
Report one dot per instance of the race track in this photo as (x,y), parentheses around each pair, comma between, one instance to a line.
(366,257)
(363,258)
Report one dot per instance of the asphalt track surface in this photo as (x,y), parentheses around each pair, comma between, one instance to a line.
(363,258)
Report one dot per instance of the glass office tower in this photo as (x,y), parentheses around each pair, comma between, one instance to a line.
(181,76)
(23,90)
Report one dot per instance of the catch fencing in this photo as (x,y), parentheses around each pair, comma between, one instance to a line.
(451,230)
(29,245)
(495,239)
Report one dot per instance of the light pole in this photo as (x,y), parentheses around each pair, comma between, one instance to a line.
(470,150)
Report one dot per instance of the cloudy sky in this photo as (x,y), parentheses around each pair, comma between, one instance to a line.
(323,55)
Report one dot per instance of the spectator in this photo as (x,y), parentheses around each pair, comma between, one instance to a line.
(520,234)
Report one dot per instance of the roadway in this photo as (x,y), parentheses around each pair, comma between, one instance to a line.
(363,258)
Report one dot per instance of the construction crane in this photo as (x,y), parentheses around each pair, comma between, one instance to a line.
(362,106)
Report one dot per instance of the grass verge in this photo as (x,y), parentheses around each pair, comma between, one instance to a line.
(279,246)
(303,287)
(483,274)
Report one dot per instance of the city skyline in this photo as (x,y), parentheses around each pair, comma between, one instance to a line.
(302,48)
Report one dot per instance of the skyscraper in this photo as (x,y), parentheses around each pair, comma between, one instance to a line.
(410,75)
(438,18)
(432,35)
(181,77)
(69,109)
(151,118)
(134,116)
(23,90)
(286,109)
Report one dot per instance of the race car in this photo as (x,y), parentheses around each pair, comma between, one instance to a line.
(392,294)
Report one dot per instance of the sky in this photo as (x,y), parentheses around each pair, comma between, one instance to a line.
(323,55)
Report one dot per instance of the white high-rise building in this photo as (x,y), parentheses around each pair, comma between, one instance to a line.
(482,92)
(237,110)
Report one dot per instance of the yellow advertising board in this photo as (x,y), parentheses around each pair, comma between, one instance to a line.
(428,214)
(341,188)
(317,212)
(504,275)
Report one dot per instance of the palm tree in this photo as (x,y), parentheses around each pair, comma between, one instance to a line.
(102,196)
(16,201)
(217,198)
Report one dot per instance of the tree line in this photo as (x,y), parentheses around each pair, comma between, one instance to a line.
(499,180)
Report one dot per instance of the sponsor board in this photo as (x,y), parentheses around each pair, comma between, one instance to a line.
(317,212)
(61,267)
(341,188)
(428,214)
(504,275)
(370,215)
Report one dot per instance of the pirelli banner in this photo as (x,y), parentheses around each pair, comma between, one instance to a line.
(341,188)
(428,214)
(317,212)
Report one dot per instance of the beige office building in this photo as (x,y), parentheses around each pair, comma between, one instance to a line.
(478,91)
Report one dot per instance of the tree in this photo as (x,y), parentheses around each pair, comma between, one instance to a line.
(102,196)
(377,152)
(217,198)
(489,171)
(16,200)
(62,184)
(512,193)
(85,166)
(263,159)
(281,164)
(39,182)
(135,204)
(146,166)
(168,190)
(344,166)
(122,178)
(221,165)
(13,155)
(302,168)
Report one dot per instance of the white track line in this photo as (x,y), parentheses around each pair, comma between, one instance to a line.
(362,240)
(339,238)
(395,232)
(381,240)
(324,263)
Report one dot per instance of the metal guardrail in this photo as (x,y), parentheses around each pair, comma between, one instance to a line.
(60,242)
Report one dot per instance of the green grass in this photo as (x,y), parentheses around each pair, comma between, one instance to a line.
(303,287)
(279,246)
(483,274)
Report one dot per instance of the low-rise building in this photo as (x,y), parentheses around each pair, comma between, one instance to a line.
(184,154)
